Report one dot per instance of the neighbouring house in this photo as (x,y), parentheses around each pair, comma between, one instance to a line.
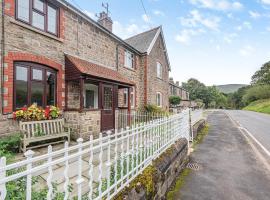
(54,54)
(176,90)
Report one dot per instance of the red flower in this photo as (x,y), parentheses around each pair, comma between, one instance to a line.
(24,108)
(14,115)
(47,112)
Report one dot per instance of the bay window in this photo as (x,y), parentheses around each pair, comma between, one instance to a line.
(34,83)
(38,13)
(132,97)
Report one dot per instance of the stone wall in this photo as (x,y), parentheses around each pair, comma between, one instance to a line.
(162,174)
(155,84)
(198,127)
(83,124)
(135,75)
(73,96)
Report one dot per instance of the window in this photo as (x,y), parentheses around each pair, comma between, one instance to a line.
(90,96)
(159,70)
(132,97)
(38,13)
(126,97)
(34,84)
(159,99)
(129,60)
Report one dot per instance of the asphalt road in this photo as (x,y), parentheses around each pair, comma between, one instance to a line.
(258,124)
(229,169)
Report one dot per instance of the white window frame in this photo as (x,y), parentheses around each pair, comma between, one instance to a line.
(159,70)
(159,104)
(129,60)
(125,93)
(132,97)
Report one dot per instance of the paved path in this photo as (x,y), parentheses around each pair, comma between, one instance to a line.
(229,168)
(258,124)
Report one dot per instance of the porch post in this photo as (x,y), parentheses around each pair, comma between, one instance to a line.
(81,93)
(129,108)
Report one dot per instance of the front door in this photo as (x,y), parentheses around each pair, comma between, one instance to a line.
(108,110)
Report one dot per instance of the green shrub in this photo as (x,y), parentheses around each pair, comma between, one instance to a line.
(256,92)
(11,143)
(174,100)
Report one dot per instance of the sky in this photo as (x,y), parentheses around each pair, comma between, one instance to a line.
(214,41)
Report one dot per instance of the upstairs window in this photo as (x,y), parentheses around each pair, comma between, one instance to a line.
(39,14)
(159,99)
(159,70)
(129,60)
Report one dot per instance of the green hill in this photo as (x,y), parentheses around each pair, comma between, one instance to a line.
(229,88)
(262,106)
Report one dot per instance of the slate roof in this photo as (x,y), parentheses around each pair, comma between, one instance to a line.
(142,41)
(95,70)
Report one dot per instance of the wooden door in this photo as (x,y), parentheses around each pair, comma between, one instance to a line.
(108,108)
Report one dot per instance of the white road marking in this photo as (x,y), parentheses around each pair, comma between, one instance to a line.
(242,129)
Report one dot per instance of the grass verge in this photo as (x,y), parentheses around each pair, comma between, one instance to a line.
(262,106)
(178,184)
(200,136)
(180,181)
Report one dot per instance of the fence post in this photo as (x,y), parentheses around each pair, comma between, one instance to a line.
(29,154)
(108,165)
(100,167)
(190,125)
(50,175)
(66,189)
(115,160)
(91,169)
(3,190)
(79,180)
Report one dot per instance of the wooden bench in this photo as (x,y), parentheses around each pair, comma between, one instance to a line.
(39,131)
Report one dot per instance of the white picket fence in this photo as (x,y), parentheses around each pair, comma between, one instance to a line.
(124,118)
(113,161)
(196,115)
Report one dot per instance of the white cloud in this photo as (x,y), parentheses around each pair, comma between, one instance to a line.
(224,5)
(158,13)
(247,25)
(90,14)
(196,19)
(125,31)
(246,51)
(266,1)
(146,18)
(186,35)
(230,37)
(254,14)
(244,25)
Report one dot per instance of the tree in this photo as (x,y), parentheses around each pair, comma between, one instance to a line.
(210,96)
(262,76)
(174,100)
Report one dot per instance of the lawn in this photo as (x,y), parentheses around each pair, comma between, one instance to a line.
(262,106)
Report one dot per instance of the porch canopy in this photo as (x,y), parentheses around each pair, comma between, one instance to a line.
(89,75)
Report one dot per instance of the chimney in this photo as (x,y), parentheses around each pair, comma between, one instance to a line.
(171,80)
(177,83)
(105,21)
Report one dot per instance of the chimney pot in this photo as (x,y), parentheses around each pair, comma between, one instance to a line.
(105,21)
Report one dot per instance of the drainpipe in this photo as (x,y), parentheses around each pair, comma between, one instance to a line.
(3,53)
(117,57)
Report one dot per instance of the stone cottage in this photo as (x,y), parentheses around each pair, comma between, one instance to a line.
(54,54)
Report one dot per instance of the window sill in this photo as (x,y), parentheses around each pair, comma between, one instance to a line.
(131,69)
(160,78)
(13,21)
